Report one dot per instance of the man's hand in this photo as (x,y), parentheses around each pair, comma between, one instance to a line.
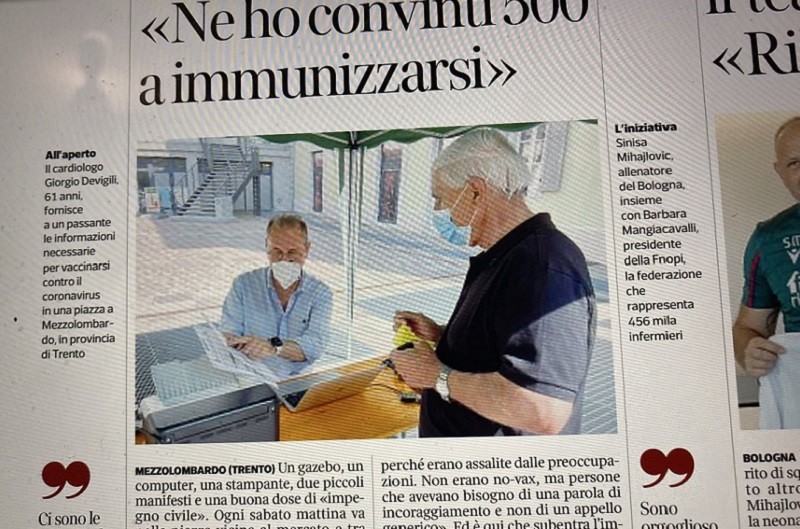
(488,394)
(418,365)
(760,355)
(254,348)
(422,326)
(751,330)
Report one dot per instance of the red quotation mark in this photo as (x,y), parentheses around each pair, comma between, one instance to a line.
(55,475)
(679,461)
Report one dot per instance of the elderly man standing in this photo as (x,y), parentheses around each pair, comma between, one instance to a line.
(513,357)
(280,314)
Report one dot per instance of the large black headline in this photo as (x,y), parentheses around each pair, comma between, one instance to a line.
(760,52)
(202,21)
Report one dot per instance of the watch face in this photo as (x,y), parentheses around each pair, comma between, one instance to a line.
(275,341)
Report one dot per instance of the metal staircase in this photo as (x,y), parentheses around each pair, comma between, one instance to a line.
(224,171)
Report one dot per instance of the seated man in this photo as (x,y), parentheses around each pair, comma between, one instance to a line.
(279,315)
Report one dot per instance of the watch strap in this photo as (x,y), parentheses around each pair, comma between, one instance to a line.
(277,343)
(443,383)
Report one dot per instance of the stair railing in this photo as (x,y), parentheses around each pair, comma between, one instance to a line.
(251,160)
(184,188)
(222,185)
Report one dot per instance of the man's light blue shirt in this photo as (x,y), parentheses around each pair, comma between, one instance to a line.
(252,308)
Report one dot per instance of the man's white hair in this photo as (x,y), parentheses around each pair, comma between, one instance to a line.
(484,153)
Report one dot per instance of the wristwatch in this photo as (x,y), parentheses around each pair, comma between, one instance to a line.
(442,383)
(277,343)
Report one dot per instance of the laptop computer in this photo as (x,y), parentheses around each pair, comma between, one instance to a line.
(309,391)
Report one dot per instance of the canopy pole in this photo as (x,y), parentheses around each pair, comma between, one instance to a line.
(353,222)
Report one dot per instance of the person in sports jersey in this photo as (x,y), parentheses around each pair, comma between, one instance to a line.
(772,268)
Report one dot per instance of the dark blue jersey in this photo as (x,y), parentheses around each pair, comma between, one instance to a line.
(772,267)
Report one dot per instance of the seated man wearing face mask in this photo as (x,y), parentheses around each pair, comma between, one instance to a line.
(279,315)
(513,357)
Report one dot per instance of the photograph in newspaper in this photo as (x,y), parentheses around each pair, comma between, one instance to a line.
(759,160)
(295,287)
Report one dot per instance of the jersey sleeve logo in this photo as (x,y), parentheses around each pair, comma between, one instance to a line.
(791,244)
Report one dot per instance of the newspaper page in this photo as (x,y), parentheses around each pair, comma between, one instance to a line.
(457,264)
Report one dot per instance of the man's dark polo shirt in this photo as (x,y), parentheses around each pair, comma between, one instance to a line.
(527,311)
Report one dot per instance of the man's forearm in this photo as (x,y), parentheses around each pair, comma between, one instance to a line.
(741,337)
(493,396)
(292,351)
(752,347)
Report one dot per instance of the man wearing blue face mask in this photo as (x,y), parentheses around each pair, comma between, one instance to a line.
(513,357)
(279,315)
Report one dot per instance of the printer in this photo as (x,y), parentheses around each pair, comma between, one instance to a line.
(182,398)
